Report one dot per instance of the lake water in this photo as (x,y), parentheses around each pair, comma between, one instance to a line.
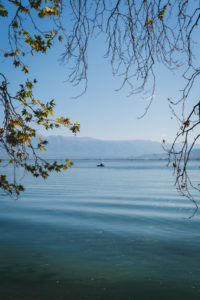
(116,233)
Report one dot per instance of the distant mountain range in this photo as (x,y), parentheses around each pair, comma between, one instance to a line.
(61,147)
(76,147)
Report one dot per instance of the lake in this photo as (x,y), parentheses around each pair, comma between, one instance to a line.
(121,232)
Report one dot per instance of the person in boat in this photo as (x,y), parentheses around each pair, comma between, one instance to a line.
(100,165)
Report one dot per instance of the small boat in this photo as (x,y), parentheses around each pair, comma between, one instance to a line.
(100,165)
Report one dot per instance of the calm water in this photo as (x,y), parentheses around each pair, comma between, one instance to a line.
(116,233)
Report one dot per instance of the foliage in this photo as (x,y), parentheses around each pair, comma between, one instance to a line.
(23,114)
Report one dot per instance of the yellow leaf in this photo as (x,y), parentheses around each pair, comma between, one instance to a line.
(70,164)
(36,102)
(25,69)
(16,123)
(48,9)
(148,21)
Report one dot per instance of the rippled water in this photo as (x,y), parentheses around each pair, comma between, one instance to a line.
(116,233)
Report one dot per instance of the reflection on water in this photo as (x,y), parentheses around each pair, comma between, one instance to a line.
(119,232)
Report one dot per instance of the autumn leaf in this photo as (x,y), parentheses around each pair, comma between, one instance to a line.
(25,69)
(36,102)
(162,12)
(70,164)
(149,22)
(60,38)
(186,123)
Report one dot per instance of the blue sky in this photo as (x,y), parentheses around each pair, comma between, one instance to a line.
(102,112)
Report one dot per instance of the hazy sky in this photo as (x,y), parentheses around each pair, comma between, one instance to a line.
(102,112)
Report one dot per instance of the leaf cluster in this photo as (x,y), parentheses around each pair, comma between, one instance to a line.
(23,113)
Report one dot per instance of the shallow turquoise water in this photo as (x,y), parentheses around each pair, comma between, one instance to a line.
(119,232)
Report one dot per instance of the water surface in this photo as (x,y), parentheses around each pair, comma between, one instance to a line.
(120,232)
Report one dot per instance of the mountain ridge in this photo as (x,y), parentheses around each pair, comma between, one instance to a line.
(62,147)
